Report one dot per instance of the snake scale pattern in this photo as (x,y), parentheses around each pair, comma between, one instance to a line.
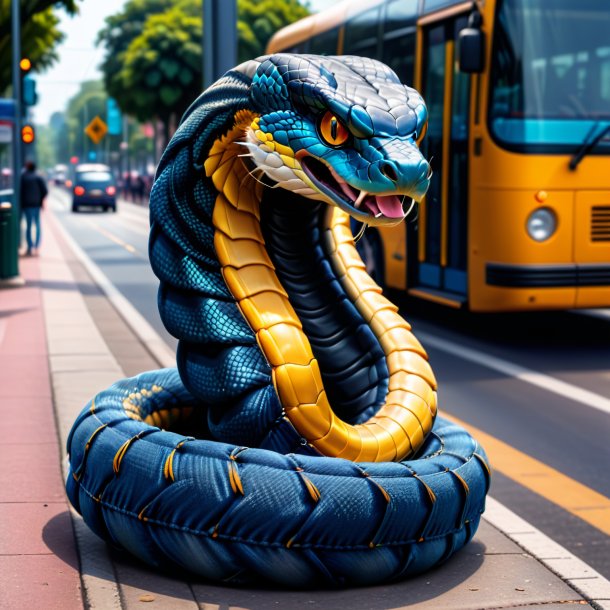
(297,440)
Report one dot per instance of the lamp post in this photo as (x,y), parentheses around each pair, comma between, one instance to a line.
(16,40)
(219,39)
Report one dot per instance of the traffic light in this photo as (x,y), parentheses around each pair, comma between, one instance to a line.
(27,134)
(28,84)
(29,95)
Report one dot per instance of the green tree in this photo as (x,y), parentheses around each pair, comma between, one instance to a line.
(120,30)
(260,19)
(161,73)
(39,34)
(153,63)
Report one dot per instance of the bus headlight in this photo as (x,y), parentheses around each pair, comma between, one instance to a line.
(541,224)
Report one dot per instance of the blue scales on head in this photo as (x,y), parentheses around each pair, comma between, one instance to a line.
(382,118)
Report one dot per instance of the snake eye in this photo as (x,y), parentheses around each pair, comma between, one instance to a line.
(332,130)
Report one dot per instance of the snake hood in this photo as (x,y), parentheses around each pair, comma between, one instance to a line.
(340,130)
(260,280)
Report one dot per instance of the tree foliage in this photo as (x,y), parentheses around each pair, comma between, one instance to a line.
(153,62)
(161,72)
(260,19)
(39,34)
(120,30)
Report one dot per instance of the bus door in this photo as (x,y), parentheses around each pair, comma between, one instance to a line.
(438,243)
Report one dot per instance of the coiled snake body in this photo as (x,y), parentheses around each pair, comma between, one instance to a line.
(313,455)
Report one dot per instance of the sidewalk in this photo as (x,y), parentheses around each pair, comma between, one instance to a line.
(61,341)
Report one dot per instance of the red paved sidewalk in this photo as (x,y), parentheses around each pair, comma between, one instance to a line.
(38,559)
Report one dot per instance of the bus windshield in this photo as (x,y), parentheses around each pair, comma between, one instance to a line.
(550,80)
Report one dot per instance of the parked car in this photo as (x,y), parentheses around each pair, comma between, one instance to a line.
(93,185)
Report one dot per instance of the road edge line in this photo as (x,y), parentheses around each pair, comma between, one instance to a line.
(145,332)
(572,570)
(541,380)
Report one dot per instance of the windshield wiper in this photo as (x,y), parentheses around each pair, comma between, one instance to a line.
(588,145)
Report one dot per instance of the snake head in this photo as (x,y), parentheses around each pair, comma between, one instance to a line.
(343,130)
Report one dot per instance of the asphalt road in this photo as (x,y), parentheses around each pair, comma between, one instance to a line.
(551,438)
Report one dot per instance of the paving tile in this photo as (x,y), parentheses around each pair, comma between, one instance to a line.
(97,571)
(135,365)
(88,344)
(594,588)
(69,363)
(27,420)
(29,582)
(62,299)
(495,542)
(88,381)
(18,298)
(24,331)
(466,582)
(22,375)
(30,473)
(67,316)
(77,330)
(139,583)
(35,528)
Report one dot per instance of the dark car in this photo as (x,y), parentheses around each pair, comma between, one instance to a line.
(94,185)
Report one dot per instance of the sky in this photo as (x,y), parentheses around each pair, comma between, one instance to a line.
(80,59)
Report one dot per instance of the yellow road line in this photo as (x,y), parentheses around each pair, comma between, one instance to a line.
(116,240)
(574,497)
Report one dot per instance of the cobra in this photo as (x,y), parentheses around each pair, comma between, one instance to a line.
(297,439)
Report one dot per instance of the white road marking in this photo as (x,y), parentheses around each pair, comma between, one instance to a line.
(579,575)
(546,382)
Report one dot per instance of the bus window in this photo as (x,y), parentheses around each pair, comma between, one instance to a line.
(398,52)
(455,272)
(362,34)
(325,43)
(433,89)
(550,74)
(399,14)
(398,45)
(442,252)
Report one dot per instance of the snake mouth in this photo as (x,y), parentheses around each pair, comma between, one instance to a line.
(365,207)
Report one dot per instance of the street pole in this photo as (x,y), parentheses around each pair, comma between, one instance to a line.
(17,160)
(219,39)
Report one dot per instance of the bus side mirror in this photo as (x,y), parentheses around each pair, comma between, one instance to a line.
(471,46)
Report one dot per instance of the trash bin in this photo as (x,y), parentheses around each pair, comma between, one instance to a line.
(9,234)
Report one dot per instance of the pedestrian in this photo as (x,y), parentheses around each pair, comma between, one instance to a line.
(140,188)
(33,192)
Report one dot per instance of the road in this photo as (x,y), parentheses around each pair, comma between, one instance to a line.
(534,388)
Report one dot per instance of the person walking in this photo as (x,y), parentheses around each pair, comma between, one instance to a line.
(33,192)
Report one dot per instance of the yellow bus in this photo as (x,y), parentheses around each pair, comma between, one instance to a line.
(517,216)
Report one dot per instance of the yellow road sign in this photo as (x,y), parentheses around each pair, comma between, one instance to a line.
(96,130)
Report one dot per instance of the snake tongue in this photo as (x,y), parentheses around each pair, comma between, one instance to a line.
(390,206)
